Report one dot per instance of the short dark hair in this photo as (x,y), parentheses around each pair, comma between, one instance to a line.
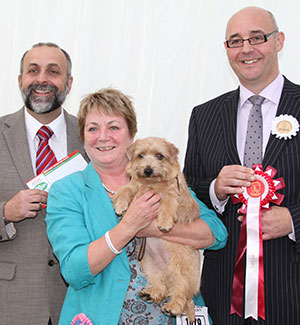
(40,44)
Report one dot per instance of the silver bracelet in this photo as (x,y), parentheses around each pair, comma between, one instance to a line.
(110,244)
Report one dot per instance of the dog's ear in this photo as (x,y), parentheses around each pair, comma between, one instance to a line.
(130,150)
(129,168)
(173,151)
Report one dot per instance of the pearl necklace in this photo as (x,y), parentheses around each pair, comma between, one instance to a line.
(108,190)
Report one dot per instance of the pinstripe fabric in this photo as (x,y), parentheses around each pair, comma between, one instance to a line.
(212,145)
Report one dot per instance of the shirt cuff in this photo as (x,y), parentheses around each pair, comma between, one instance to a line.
(10,230)
(219,206)
(292,235)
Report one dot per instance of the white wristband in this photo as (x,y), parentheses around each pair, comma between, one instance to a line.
(110,244)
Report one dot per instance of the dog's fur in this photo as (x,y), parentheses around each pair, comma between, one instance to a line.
(172,270)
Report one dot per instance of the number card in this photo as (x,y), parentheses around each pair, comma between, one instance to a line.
(201,317)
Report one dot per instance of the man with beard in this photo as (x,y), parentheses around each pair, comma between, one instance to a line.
(31,288)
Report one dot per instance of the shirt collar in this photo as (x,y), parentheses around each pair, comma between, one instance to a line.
(272,92)
(58,126)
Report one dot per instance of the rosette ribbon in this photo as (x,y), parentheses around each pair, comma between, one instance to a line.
(81,319)
(255,198)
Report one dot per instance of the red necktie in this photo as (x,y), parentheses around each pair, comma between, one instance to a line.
(45,156)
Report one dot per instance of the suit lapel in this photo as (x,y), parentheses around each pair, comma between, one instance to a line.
(229,120)
(72,141)
(289,104)
(100,222)
(96,193)
(16,138)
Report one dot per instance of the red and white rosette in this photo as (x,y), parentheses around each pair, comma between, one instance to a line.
(255,198)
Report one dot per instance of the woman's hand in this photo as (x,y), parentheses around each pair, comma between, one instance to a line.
(141,212)
(139,215)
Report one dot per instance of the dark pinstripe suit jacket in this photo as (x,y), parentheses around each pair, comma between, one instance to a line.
(212,145)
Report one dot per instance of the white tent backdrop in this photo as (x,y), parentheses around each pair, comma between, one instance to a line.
(167,54)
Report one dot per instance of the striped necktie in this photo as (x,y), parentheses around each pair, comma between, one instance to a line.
(45,156)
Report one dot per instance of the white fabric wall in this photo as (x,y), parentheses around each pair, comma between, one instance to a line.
(167,54)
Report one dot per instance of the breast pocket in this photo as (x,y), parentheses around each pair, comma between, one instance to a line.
(7,271)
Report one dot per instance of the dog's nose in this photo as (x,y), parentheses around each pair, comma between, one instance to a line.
(148,171)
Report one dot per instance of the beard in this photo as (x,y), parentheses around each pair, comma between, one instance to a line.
(43,104)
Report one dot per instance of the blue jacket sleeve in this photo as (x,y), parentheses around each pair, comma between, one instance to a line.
(215,224)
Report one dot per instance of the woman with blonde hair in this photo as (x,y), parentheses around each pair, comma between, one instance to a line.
(97,248)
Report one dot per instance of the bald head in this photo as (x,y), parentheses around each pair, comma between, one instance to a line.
(254,13)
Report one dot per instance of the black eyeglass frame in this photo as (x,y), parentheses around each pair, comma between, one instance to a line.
(265,39)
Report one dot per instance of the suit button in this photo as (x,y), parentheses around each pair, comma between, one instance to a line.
(51,263)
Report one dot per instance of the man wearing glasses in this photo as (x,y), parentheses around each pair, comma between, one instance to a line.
(218,165)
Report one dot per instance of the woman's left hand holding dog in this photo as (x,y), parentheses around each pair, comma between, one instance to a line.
(141,212)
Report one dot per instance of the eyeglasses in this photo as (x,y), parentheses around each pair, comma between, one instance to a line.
(255,40)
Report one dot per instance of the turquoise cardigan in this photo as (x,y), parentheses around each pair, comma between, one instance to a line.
(79,211)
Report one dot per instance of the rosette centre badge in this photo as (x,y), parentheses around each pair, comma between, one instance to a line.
(256,189)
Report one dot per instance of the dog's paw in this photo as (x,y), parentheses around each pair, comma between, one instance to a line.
(173,308)
(165,221)
(120,205)
(145,295)
(165,225)
(149,295)
(190,311)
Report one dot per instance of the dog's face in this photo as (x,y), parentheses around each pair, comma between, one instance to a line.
(152,160)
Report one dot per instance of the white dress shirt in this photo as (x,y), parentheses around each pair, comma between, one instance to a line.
(58,141)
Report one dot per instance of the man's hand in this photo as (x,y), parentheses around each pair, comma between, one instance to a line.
(276,223)
(231,179)
(24,204)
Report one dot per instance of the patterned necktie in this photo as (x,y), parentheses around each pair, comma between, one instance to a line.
(254,136)
(45,157)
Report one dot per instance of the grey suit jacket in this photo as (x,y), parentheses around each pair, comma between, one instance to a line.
(31,287)
(212,145)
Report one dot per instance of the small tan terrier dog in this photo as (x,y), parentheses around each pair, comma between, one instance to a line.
(172,270)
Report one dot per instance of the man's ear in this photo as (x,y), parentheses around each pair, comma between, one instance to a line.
(70,84)
(19,81)
(280,41)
